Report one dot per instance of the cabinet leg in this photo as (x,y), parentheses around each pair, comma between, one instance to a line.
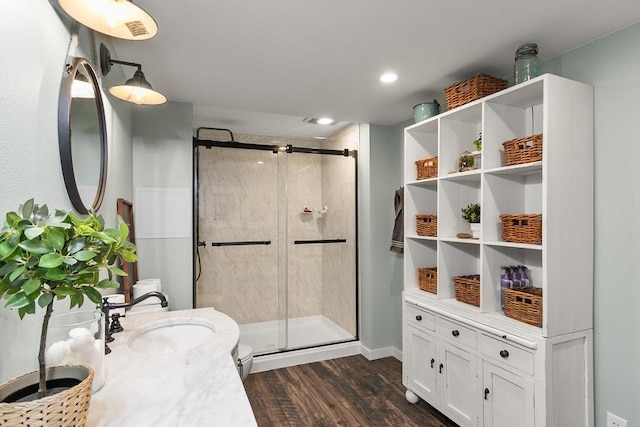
(411,397)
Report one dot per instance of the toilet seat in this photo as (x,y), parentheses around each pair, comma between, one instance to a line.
(245,360)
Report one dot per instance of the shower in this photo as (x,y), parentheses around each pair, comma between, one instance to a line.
(275,236)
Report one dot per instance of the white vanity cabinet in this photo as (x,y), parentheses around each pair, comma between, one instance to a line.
(471,362)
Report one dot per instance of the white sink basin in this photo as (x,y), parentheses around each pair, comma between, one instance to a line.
(171,335)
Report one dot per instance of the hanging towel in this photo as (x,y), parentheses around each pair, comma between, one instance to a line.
(397,237)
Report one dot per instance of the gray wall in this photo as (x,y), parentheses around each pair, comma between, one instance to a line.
(612,66)
(31,72)
(162,153)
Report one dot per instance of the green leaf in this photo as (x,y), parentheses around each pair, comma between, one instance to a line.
(64,291)
(16,273)
(29,308)
(93,295)
(30,286)
(7,268)
(70,261)
(74,300)
(33,232)
(118,271)
(3,287)
(85,255)
(45,299)
(108,283)
(27,209)
(75,245)
(50,260)
(55,274)
(17,300)
(5,250)
(41,213)
(124,230)
(129,256)
(55,238)
(37,247)
(11,218)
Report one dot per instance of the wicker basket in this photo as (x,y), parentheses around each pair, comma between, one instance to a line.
(427,168)
(69,408)
(523,150)
(522,228)
(468,289)
(426,225)
(524,304)
(428,279)
(471,89)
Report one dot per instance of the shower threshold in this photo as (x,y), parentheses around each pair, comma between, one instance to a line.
(303,332)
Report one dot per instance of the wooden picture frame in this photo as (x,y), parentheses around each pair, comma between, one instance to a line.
(125,211)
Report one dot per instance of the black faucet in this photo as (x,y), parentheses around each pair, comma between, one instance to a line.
(112,322)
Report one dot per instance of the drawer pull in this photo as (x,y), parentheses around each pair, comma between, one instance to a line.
(455,333)
(418,318)
(432,362)
(441,366)
(486,393)
(504,353)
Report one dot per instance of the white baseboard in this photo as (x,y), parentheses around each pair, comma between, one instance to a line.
(310,355)
(300,357)
(380,353)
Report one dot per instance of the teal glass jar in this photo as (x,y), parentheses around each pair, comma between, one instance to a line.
(527,64)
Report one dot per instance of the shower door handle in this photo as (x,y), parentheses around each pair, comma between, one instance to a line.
(310,242)
(247,243)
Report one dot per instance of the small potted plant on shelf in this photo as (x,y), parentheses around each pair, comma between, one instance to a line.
(43,257)
(471,214)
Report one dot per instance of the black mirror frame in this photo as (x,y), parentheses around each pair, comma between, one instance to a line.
(64,134)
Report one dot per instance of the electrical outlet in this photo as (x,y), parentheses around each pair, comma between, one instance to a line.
(615,421)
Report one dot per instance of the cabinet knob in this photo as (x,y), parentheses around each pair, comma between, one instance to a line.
(441,366)
(504,353)
(432,362)
(455,333)
(486,393)
(418,317)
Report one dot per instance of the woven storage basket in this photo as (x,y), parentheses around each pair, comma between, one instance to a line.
(468,289)
(523,150)
(69,408)
(426,225)
(428,279)
(522,228)
(427,168)
(524,304)
(473,88)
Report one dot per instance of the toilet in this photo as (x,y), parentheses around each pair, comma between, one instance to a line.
(244,359)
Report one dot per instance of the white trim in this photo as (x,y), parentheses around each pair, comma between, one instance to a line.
(300,357)
(380,353)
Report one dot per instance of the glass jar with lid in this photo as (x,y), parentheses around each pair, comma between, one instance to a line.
(527,64)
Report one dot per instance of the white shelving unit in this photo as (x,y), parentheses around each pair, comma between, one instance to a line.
(560,187)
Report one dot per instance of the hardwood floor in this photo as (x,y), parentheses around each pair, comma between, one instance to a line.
(349,391)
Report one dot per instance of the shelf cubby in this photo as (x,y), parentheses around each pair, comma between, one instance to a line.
(454,195)
(455,259)
(419,253)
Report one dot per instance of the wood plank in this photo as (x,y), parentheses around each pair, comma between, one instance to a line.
(350,391)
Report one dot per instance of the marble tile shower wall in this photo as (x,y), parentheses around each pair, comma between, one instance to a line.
(240,201)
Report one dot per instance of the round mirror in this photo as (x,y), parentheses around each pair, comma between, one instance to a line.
(82,135)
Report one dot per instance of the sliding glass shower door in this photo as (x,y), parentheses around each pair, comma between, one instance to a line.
(276,228)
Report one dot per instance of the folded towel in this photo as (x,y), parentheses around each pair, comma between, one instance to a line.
(397,237)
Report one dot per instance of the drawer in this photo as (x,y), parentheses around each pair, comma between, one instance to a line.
(418,317)
(507,353)
(457,332)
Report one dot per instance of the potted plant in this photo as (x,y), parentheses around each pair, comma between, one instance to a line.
(471,214)
(47,256)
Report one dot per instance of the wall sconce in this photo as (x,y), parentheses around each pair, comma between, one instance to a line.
(115,18)
(137,89)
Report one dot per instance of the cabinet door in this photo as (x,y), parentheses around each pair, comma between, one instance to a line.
(458,384)
(508,398)
(420,362)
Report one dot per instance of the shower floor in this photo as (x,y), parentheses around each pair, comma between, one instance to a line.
(303,332)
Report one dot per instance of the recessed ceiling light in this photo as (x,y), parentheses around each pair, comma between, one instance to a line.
(325,121)
(388,77)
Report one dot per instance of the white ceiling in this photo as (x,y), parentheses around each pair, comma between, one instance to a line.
(261,66)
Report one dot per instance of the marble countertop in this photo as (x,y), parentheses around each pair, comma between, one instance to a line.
(196,387)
